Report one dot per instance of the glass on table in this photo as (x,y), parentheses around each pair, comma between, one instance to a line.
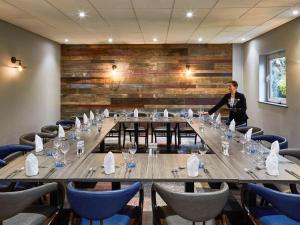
(132,148)
(225,145)
(243,141)
(58,158)
(203,149)
(65,147)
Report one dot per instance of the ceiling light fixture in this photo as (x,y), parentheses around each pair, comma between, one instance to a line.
(243,39)
(295,12)
(19,67)
(200,39)
(110,40)
(82,14)
(154,39)
(66,40)
(188,71)
(189,14)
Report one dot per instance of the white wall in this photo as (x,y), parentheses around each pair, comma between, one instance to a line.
(237,65)
(275,119)
(30,99)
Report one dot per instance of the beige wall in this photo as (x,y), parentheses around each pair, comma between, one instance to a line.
(274,119)
(31,98)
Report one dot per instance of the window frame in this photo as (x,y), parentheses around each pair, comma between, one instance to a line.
(268,77)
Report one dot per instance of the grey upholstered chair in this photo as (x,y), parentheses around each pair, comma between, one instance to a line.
(22,207)
(53,129)
(189,208)
(29,138)
(292,154)
(255,130)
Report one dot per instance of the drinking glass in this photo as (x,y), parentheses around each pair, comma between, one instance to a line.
(201,127)
(57,143)
(64,149)
(225,145)
(125,154)
(57,156)
(203,149)
(132,148)
(243,141)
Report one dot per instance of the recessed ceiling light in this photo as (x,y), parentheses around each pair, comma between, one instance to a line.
(110,40)
(154,39)
(66,40)
(295,12)
(189,14)
(243,39)
(81,14)
(200,39)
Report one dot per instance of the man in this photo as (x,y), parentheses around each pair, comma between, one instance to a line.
(236,102)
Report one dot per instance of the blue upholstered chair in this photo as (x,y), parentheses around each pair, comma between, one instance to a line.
(66,122)
(105,207)
(283,142)
(283,208)
(8,153)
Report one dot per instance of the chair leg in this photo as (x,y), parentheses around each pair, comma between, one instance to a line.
(155,137)
(119,139)
(124,137)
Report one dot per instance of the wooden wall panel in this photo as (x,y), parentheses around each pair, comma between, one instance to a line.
(149,76)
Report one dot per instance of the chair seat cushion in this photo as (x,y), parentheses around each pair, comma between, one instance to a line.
(271,216)
(186,129)
(122,218)
(131,129)
(171,218)
(34,215)
(163,129)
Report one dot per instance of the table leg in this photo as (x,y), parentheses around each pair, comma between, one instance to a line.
(136,135)
(189,186)
(169,137)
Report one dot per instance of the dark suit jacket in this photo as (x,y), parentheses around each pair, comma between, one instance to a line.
(238,113)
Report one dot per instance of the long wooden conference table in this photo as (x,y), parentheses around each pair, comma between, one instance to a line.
(155,168)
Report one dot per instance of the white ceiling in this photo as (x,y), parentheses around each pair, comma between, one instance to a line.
(139,21)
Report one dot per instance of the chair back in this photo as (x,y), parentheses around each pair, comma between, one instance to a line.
(283,142)
(7,150)
(66,122)
(161,114)
(29,138)
(196,207)
(255,130)
(16,202)
(286,203)
(95,205)
(141,114)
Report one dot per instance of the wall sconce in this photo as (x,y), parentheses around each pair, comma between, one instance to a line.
(115,84)
(19,67)
(114,71)
(188,71)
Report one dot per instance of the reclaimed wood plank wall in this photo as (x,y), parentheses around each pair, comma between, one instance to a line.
(148,76)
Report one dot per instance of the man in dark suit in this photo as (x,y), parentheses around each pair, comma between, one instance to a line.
(236,102)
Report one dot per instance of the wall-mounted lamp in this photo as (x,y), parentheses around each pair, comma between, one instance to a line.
(188,71)
(114,70)
(14,60)
(115,84)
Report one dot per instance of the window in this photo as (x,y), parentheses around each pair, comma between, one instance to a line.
(276,78)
